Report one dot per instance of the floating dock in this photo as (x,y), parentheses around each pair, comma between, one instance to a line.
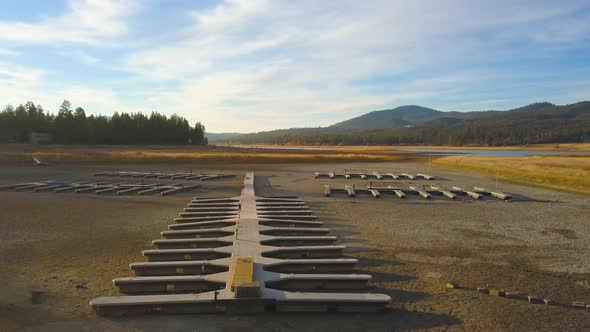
(373,175)
(261,254)
(161,175)
(494,193)
(377,191)
(99,188)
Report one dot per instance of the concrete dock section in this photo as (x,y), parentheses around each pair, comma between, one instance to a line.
(241,255)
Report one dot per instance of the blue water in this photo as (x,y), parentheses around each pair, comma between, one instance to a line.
(503,153)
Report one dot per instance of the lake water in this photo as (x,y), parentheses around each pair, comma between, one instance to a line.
(502,153)
(277,147)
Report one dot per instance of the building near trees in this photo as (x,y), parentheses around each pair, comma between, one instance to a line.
(39,138)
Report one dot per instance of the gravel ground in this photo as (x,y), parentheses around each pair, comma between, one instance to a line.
(64,249)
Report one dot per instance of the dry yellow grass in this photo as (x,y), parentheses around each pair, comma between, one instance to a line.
(562,172)
(381,148)
(56,154)
(535,147)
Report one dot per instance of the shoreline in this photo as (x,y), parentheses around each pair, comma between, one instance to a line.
(566,147)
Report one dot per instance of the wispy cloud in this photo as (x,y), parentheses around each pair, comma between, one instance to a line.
(105,100)
(81,56)
(295,64)
(7,52)
(95,22)
(11,73)
(19,84)
(246,65)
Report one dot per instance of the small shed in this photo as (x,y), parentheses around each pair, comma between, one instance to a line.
(38,138)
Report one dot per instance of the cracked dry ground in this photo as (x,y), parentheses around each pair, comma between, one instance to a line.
(64,250)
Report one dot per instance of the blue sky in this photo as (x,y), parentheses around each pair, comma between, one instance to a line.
(250,65)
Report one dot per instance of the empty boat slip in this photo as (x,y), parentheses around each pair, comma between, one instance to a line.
(372,175)
(260,254)
(162,175)
(376,191)
(102,188)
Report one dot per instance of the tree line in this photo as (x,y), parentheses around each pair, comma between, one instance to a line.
(73,126)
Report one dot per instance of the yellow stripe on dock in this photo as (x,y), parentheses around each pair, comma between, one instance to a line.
(243,272)
(243,284)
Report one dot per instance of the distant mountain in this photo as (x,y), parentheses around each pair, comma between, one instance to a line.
(411,115)
(216,137)
(534,123)
(392,118)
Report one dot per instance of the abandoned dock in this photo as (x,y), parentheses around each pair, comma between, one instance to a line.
(427,192)
(244,254)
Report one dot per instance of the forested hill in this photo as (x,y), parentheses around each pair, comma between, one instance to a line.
(532,124)
(394,118)
(221,137)
(405,116)
(73,126)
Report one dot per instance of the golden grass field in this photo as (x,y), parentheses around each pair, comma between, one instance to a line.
(11,154)
(562,172)
(534,147)
(376,148)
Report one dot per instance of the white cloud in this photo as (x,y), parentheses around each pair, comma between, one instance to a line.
(265,97)
(93,100)
(102,101)
(249,65)
(95,22)
(82,57)
(294,64)
(12,74)
(19,84)
(230,14)
(7,52)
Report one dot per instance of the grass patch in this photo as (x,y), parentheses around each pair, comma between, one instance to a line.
(12,154)
(562,172)
(382,148)
(533,147)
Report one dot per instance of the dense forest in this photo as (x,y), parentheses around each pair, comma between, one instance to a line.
(73,126)
(532,124)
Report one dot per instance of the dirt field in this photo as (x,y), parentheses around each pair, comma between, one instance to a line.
(58,251)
